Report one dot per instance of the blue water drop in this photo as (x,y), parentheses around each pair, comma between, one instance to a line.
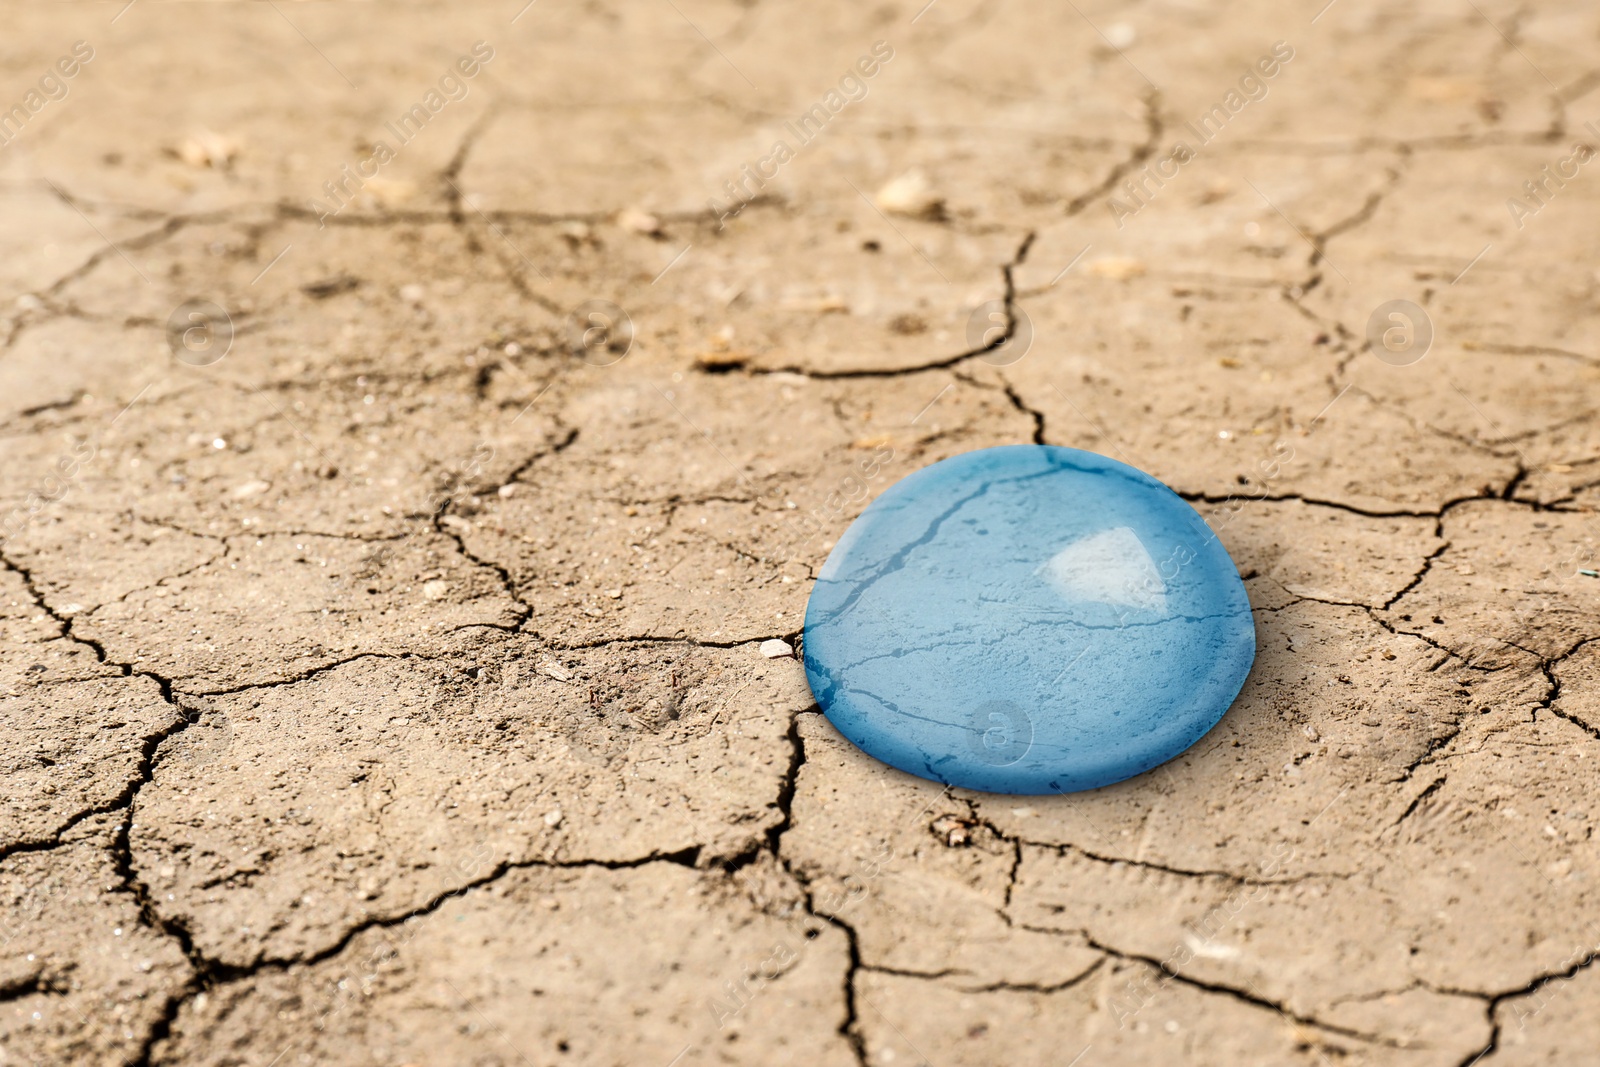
(1027,619)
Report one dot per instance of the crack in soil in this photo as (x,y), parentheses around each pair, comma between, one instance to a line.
(1144,150)
(209,973)
(942,363)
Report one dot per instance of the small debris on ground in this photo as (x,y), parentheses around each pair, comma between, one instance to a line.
(911,195)
(954,831)
(206,149)
(641,222)
(1117,268)
(339,283)
(1120,35)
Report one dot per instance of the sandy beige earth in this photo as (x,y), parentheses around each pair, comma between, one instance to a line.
(381,676)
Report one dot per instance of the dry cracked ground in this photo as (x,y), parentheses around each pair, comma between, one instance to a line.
(381,673)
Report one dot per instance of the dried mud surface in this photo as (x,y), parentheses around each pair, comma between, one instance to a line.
(382,684)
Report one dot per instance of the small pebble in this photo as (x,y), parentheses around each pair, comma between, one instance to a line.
(776,649)
(552,819)
(1117,268)
(910,194)
(390,192)
(955,832)
(1120,35)
(636,221)
(556,671)
(436,589)
(207,149)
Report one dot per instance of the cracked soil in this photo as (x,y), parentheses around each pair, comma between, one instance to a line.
(381,681)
